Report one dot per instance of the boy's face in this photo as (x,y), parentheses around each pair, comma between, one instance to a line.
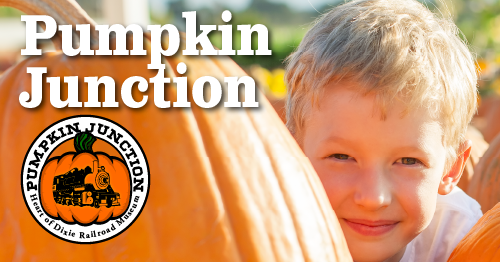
(381,176)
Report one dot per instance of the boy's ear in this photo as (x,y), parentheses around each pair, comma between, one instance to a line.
(450,180)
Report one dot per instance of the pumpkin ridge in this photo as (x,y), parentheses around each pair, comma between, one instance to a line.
(286,198)
(311,185)
(323,202)
(326,217)
(278,179)
(221,172)
(7,103)
(6,80)
(230,219)
(202,132)
(187,118)
(223,213)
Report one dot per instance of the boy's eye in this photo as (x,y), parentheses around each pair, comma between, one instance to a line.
(341,156)
(409,161)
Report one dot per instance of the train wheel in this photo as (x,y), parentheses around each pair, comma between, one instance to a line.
(67,202)
(96,204)
(109,203)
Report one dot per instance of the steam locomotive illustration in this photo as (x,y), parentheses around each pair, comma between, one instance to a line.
(85,187)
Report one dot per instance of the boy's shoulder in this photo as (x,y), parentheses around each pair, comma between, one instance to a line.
(456,213)
(460,203)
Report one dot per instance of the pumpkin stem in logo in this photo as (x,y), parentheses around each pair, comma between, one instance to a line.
(84,142)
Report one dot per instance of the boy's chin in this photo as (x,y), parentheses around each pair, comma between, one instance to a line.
(376,251)
(386,248)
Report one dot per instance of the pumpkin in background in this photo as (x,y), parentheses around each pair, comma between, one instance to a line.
(279,107)
(226,185)
(487,119)
(485,185)
(482,242)
(479,146)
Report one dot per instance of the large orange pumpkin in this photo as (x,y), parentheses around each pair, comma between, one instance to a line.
(482,242)
(485,185)
(226,185)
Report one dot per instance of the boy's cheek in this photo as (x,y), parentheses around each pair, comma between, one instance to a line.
(337,185)
(412,198)
(413,202)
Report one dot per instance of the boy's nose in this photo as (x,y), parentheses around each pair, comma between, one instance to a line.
(373,190)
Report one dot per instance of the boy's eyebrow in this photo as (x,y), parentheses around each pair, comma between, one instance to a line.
(423,149)
(425,153)
(335,139)
(339,140)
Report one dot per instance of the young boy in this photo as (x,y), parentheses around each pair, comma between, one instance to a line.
(380,96)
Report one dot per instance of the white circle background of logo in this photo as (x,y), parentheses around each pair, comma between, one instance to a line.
(137,198)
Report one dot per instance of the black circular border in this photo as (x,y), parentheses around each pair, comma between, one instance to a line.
(147,165)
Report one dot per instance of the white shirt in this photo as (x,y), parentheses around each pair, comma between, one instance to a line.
(456,213)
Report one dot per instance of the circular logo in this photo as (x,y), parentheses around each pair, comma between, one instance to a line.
(85,179)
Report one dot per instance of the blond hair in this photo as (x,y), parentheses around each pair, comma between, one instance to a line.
(397,49)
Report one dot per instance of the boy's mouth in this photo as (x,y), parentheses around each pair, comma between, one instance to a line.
(371,228)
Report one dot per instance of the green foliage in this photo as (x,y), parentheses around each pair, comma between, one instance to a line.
(286,28)
(9,12)
(479,21)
